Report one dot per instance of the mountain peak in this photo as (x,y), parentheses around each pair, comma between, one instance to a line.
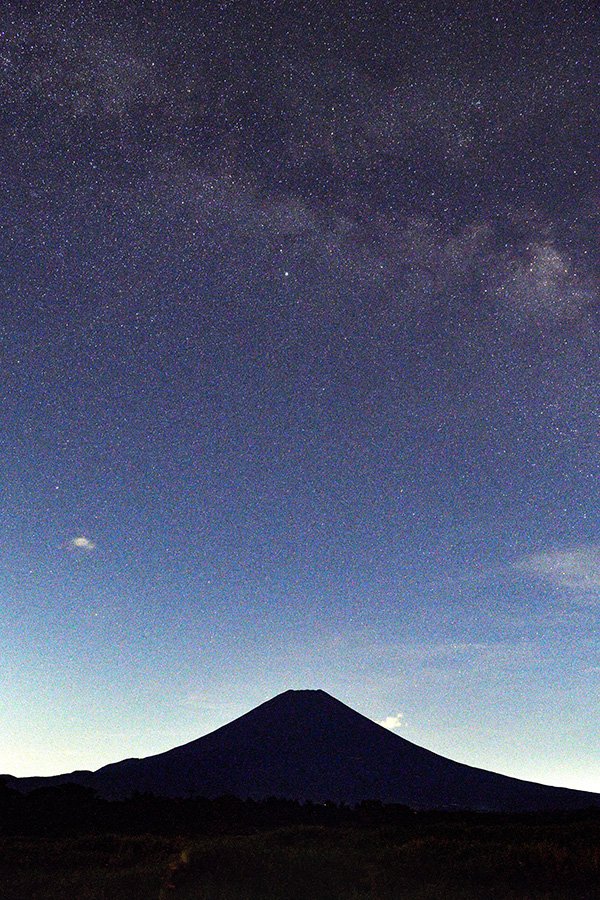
(303,692)
(307,745)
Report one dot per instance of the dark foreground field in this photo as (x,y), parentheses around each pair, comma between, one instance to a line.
(430,856)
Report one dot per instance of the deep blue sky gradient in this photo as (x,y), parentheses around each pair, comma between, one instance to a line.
(300,375)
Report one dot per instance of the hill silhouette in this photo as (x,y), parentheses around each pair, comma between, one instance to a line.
(306,745)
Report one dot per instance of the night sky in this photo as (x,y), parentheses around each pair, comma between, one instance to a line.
(300,374)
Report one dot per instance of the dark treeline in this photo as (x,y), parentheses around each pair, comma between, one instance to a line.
(70,810)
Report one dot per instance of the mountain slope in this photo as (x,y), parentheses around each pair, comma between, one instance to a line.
(307,745)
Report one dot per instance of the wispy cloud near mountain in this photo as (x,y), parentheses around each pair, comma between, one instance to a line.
(577,569)
(392,722)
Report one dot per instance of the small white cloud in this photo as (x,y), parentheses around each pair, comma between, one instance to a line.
(577,569)
(392,722)
(82,543)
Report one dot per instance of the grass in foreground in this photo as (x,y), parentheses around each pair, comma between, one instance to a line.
(427,860)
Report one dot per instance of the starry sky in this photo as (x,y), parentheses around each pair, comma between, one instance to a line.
(300,374)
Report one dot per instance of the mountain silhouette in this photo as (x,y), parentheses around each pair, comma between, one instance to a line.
(306,745)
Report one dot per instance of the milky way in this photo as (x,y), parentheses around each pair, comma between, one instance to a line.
(300,374)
